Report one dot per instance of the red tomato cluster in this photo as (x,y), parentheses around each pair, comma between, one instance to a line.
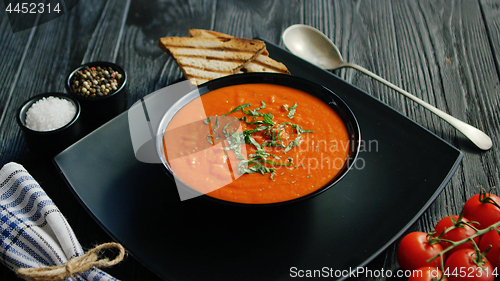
(477,258)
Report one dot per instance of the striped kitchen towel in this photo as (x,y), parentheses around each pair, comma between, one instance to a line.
(33,232)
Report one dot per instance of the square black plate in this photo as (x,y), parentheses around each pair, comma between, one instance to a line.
(343,228)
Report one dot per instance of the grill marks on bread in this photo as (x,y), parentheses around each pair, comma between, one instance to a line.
(261,63)
(203,58)
(208,55)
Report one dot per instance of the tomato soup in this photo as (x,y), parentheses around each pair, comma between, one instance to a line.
(256,143)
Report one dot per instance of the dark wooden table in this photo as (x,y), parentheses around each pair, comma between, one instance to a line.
(445,52)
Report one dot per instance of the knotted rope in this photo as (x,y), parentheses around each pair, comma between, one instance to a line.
(73,266)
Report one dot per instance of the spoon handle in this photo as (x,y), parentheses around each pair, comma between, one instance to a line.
(479,138)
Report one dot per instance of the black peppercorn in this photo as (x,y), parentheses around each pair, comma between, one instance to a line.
(96,81)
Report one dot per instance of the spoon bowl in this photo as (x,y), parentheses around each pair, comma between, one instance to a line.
(315,47)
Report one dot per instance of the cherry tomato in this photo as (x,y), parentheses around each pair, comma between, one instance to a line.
(461,231)
(427,273)
(481,208)
(491,238)
(461,265)
(415,249)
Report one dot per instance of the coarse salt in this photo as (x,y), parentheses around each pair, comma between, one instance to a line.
(50,113)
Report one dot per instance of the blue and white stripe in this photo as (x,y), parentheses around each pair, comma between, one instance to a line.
(33,232)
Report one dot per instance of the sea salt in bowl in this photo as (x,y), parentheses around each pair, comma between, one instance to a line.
(50,122)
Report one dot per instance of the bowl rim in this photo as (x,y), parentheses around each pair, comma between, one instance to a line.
(28,103)
(70,91)
(265,78)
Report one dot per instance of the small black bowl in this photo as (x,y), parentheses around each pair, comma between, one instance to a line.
(100,109)
(54,141)
(324,94)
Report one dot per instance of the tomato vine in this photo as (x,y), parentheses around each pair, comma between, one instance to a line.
(459,241)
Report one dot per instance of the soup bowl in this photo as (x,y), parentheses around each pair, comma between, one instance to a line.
(225,131)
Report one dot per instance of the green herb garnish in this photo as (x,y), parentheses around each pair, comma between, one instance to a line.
(291,111)
(209,139)
(257,168)
(298,128)
(263,122)
(295,142)
(216,124)
(238,108)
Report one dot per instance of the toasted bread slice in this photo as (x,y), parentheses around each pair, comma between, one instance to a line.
(199,76)
(261,63)
(227,44)
(205,58)
(213,34)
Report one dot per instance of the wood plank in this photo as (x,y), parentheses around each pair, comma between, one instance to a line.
(445,53)
(491,14)
(418,46)
(152,67)
(449,51)
(13,46)
(364,34)
(55,48)
(250,19)
(463,87)
(149,68)
(106,38)
(420,70)
(477,66)
(44,69)
(14,51)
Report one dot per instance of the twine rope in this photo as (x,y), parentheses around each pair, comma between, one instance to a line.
(75,265)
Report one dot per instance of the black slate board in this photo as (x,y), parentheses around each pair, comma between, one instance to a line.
(401,169)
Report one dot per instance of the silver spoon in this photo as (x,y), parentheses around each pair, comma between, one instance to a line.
(310,44)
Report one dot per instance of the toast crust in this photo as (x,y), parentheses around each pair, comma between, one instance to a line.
(226,44)
(208,33)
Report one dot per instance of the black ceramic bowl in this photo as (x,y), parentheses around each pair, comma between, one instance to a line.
(99,109)
(316,90)
(54,141)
